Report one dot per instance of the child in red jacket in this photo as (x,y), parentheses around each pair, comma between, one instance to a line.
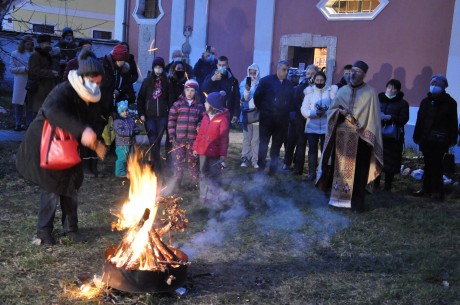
(211,144)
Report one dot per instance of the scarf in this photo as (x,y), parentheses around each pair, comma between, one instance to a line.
(77,84)
(157,91)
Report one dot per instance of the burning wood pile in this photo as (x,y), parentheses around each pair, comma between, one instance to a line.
(142,255)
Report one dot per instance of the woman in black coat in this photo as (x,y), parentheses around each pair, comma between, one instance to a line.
(394,110)
(153,107)
(435,131)
(68,106)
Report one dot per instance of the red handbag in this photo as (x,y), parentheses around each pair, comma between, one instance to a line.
(58,148)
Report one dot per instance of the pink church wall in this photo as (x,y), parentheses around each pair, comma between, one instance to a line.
(408,40)
(231,31)
(163,32)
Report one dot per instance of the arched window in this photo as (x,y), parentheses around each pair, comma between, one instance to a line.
(351,9)
(151,9)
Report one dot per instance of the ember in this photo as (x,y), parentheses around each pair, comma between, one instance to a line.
(142,254)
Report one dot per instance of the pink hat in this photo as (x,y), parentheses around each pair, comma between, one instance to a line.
(191,83)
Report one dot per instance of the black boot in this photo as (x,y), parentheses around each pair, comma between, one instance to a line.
(46,238)
(377,182)
(388,181)
(94,169)
(87,168)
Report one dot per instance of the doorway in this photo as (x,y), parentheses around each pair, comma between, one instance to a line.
(309,49)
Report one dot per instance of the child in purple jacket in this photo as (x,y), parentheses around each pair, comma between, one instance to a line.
(125,130)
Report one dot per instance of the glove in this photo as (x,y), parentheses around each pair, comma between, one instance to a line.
(100,150)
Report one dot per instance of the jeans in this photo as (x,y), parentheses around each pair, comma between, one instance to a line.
(313,140)
(274,127)
(47,212)
(155,127)
(18,114)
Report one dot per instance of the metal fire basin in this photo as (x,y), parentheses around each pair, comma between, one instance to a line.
(141,281)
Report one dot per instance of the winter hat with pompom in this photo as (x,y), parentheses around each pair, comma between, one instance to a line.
(217,100)
(191,83)
(121,106)
(89,64)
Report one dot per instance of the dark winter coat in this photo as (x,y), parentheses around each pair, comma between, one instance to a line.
(68,51)
(126,87)
(40,71)
(439,114)
(184,119)
(65,109)
(230,85)
(203,68)
(113,78)
(274,98)
(398,108)
(213,136)
(176,88)
(146,104)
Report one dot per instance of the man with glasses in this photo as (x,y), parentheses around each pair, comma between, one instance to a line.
(353,149)
(274,98)
(205,65)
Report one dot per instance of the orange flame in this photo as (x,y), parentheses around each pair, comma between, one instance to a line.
(142,197)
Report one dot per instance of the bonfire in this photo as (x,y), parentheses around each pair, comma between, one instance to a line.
(142,248)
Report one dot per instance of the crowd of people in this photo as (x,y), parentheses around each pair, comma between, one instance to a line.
(359,133)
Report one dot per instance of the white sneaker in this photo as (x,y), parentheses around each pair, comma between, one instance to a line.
(245,163)
(255,165)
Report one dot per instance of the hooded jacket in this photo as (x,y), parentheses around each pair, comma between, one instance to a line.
(213,136)
(247,96)
(314,99)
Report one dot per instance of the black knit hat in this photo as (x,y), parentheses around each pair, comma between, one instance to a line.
(158,61)
(67,30)
(43,38)
(89,64)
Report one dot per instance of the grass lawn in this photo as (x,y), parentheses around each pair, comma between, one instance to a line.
(265,240)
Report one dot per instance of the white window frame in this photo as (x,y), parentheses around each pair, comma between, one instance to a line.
(331,15)
(42,23)
(101,30)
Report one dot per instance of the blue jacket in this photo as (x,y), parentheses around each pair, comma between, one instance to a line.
(273,97)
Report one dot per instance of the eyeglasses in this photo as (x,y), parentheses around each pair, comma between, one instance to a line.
(357,71)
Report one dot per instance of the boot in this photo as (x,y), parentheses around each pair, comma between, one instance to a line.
(377,182)
(388,181)
(46,238)
(87,172)
(93,168)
